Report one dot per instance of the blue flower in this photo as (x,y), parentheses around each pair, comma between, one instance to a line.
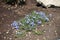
(27,20)
(32,24)
(42,13)
(15,25)
(46,19)
(39,22)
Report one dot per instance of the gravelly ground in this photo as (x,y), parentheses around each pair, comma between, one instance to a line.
(8,14)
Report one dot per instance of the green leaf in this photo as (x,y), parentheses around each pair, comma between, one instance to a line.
(38,32)
(20,34)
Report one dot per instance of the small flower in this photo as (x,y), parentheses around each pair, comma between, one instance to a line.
(34,17)
(32,23)
(42,13)
(27,21)
(15,25)
(32,20)
(39,22)
(47,19)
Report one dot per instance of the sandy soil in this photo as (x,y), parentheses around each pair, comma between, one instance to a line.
(10,13)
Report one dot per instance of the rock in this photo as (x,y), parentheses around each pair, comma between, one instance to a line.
(48,3)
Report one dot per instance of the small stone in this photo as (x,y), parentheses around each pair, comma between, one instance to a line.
(49,24)
(50,15)
(8,25)
(16,10)
(44,38)
(55,31)
(45,31)
(37,38)
(13,28)
(2,18)
(16,6)
(26,35)
(4,37)
(8,8)
(5,15)
(10,38)
(29,33)
(16,31)
(7,32)
(42,25)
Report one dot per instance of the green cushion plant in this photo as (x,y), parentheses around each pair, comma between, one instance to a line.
(30,22)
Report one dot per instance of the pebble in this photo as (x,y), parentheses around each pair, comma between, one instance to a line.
(42,25)
(5,15)
(50,15)
(50,24)
(16,31)
(8,24)
(45,31)
(44,38)
(7,32)
(4,37)
(55,31)
(16,6)
(29,33)
(13,28)
(16,10)
(2,18)
(37,38)
(10,38)
(26,35)
(8,8)
(56,34)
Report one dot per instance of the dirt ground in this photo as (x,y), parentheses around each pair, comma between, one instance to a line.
(10,13)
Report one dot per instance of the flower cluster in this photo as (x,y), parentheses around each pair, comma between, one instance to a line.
(30,21)
(15,24)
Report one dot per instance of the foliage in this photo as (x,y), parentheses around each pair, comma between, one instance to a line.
(30,22)
(13,2)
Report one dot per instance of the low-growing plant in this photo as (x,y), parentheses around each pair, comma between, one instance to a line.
(30,22)
(13,2)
